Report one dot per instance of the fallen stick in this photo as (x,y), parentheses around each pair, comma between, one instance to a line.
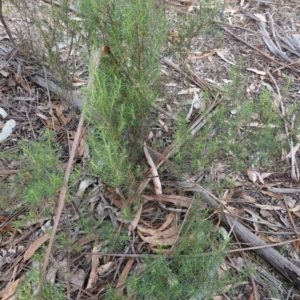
(290,271)
(95,60)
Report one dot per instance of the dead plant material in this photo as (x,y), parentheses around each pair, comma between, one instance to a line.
(289,270)
(61,201)
(256,49)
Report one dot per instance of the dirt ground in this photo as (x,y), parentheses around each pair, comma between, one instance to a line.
(262,35)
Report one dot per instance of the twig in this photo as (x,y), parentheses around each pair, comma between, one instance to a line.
(61,201)
(62,195)
(279,262)
(283,190)
(49,98)
(256,49)
(190,75)
(5,25)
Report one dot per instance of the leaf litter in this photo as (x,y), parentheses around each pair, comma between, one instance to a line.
(268,212)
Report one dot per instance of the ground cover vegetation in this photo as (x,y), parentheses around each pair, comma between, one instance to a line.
(119,113)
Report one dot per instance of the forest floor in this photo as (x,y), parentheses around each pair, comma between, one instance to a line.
(251,56)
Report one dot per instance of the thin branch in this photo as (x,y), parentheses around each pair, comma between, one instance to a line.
(5,25)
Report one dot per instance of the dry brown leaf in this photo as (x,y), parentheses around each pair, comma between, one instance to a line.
(164,238)
(118,198)
(79,80)
(271,194)
(135,221)
(230,10)
(296,245)
(296,214)
(59,108)
(19,80)
(204,55)
(49,124)
(268,207)
(261,180)
(165,241)
(77,279)
(175,199)
(4,228)
(42,116)
(81,147)
(273,239)
(12,289)
(247,197)
(124,274)
(266,175)
(104,268)
(95,262)
(149,231)
(252,175)
(257,71)
(169,220)
(152,231)
(154,172)
(35,245)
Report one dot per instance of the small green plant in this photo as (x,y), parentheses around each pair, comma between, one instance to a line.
(241,133)
(39,178)
(124,87)
(30,287)
(191,272)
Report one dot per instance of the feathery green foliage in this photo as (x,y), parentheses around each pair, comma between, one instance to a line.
(125,84)
(192,271)
(241,133)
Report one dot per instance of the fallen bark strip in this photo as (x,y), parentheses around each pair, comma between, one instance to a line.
(77,101)
(290,271)
(255,48)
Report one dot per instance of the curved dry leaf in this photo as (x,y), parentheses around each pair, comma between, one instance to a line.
(42,116)
(164,238)
(149,231)
(12,289)
(104,268)
(154,172)
(117,198)
(124,273)
(35,245)
(271,194)
(175,199)
(152,231)
(257,71)
(247,197)
(84,185)
(295,209)
(95,262)
(169,220)
(136,219)
(77,279)
(266,175)
(252,175)
(269,207)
